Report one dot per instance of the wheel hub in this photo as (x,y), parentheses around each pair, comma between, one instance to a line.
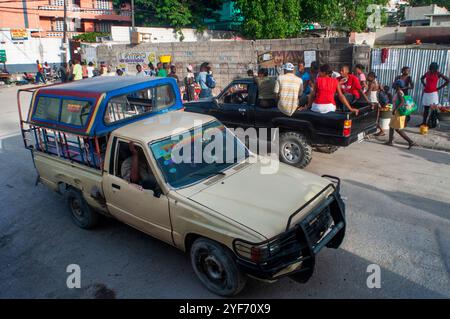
(213,268)
(291,152)
(76,207)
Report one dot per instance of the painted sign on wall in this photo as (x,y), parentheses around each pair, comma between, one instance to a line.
(137,57)
(18,34)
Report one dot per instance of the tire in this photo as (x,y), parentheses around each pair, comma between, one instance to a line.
(327,149)
(216,268)
(295,149)
(82,214)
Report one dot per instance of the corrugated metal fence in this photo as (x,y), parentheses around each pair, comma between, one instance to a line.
(418,60)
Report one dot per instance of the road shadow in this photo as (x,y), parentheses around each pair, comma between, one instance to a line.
(340,274)
(437,157)
(432,206)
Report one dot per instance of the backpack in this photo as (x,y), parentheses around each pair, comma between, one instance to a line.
(210,82)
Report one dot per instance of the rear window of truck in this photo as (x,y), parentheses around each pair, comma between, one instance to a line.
(75,112)
(47,108)
(139,102)
(64,111)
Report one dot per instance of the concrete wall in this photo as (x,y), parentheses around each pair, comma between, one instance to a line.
(390,35)
(229,59)
(418,13)
(440,20)
(158,35)
(22,55)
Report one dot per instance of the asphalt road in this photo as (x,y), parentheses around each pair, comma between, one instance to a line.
(398,213)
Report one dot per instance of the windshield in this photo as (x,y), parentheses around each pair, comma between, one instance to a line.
(202,152)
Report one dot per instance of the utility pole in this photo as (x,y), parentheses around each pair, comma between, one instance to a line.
(132,16)
(65,32)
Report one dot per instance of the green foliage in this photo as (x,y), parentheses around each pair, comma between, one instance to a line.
(285,18)
(90,37)
(176,14)
(440,3)
(270,18)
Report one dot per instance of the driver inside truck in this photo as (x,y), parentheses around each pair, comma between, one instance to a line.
(135,169)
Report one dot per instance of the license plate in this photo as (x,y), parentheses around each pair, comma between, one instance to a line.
(361,137)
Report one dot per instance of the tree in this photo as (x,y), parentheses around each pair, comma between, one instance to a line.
(440,3)
(176,14)
(270,18)
(285,18)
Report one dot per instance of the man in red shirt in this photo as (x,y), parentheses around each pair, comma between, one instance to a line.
(351,86)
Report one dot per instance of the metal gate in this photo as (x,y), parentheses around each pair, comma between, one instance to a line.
(418,60)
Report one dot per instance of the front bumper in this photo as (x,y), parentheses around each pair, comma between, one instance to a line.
(297,247)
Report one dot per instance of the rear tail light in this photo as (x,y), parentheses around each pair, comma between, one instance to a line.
(347,128)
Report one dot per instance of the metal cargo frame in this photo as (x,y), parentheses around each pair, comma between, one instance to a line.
(418,60)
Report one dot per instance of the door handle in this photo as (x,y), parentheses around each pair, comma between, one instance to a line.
(115,186)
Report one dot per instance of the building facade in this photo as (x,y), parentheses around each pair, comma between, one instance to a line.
(45,18)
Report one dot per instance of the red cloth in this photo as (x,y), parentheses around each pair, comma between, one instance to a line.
(384,55)
(326,87)
(431,82)
(352,85)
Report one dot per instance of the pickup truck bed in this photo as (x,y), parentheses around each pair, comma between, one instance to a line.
(314,129)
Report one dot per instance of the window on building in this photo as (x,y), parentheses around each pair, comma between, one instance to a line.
(139,102)
(103,27)
(102,4)
(59,25)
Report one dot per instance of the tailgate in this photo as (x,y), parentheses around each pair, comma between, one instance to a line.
(365,120)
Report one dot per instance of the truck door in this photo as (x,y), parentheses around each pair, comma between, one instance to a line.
(236,105)
(141,206)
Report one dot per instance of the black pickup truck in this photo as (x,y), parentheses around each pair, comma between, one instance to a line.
(236,106)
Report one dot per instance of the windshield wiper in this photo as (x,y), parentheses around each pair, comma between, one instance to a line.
(207,174)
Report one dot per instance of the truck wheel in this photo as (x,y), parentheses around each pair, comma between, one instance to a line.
(216,268)
(82,214)
(327,149)
(295,149)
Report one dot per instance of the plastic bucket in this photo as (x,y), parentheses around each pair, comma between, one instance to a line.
(165,58)
(424,129)
(384,123)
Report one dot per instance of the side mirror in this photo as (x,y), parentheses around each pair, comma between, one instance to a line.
(216,102)
(157,192)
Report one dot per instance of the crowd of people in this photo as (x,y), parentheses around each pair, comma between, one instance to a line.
(323,90)
(318,88)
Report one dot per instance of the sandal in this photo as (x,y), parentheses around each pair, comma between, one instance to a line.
(411,145)
(379,134)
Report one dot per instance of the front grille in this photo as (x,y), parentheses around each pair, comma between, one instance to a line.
(317,227)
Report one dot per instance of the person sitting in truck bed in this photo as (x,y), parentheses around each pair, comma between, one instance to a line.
(134,169)
(351,86)
(266,85)
(323,91)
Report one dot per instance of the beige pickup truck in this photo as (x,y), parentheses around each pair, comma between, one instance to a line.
(232,219)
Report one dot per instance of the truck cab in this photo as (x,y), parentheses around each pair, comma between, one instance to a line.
(187,180)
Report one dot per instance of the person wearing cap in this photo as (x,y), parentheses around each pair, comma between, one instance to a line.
(288,88)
